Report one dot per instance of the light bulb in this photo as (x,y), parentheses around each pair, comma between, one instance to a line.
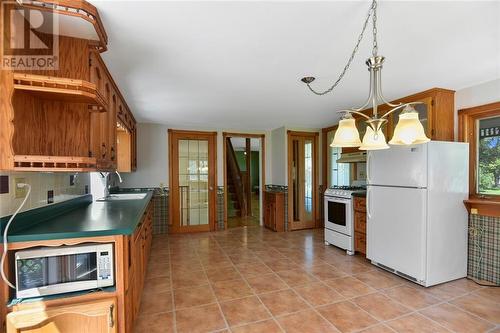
(373,140)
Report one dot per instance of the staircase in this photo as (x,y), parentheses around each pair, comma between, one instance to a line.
(233,205)
(236,179)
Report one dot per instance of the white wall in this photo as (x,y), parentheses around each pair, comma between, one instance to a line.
(41,183)
(152,157)
(279,155)
(484,93)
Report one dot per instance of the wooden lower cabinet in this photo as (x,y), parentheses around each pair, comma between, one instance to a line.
(360,224)
(140,250)
(89,317)
(274,211)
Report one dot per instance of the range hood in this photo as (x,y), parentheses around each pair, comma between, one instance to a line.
(357,157)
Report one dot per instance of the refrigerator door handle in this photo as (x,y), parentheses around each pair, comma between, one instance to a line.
(368,207)
(368,164)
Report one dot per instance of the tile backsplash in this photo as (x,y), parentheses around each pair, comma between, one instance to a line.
(46,188)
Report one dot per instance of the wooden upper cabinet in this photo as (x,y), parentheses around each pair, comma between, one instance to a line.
(436,113)
(64,119)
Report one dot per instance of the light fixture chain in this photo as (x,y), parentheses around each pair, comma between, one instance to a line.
(374,19)
(354,51)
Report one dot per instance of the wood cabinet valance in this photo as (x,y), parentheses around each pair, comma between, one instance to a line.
(64,119)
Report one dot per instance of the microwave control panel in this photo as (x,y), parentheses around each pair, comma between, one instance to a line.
(105,263)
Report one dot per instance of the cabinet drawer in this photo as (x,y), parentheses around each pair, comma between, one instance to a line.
(360,242)
(97,316)
(360,204)
(360,221)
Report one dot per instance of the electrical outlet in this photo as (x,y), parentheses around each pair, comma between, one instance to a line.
(20,191)
(50,196)
(4,184)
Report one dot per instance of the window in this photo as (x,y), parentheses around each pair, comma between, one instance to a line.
(488,156)
(480,127)
(338,173)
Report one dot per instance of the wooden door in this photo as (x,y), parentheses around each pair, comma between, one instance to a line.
(192,180)
(90,317)
(302,180)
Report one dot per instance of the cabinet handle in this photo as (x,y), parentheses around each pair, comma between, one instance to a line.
(111,320)
(103,150)
(113,155)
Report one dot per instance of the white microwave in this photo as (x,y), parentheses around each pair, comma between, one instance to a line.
(56,270)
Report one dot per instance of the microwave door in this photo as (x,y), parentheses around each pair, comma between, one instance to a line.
(32,273)
(85,267)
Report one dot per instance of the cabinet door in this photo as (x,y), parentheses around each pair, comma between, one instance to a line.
(112,130)
(99,121)
(104,135)
(90,317)
(129,309)
(134,148)
(139,272)
(272,216)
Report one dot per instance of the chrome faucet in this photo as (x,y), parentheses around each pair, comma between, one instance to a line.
(107,186)
(119,177)
(105,176)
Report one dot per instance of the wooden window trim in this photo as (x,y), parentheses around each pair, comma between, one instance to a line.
(467,132)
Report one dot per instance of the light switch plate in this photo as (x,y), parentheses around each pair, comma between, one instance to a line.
(20,191)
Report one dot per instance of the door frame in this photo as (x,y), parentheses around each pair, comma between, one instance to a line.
(262,138)
(309,135)
(173,136)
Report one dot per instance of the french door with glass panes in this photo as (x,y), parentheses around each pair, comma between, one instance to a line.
(192,181)
(302,179)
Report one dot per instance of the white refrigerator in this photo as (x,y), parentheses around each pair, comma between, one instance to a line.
(416,219)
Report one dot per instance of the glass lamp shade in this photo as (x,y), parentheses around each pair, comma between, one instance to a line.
(409,130)
(346,135)
(372,141)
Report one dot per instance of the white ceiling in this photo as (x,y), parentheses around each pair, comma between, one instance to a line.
(237,65)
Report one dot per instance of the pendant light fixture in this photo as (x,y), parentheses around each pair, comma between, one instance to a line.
(408,131)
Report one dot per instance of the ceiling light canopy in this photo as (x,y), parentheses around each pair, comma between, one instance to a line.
(408,131)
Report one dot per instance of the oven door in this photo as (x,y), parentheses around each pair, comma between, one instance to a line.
(338,215)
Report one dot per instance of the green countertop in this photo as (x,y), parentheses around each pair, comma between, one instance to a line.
(87,219)
(359,194)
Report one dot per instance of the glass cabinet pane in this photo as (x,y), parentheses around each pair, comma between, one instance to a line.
(193,182)
(308,179)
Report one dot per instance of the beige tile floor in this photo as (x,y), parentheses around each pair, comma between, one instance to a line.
(253,280)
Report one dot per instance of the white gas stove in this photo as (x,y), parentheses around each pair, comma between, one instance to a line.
(343,191)
(339,217)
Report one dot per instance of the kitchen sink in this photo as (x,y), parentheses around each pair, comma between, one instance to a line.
(123,196)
